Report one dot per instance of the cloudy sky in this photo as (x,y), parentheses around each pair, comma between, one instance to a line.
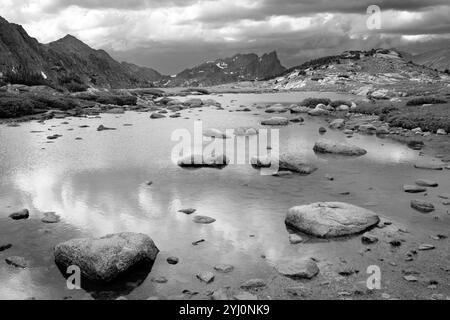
(170,35)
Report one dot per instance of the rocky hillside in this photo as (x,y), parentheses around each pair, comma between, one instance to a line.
(379,73)
(241,67)
(436,59)
(67,62)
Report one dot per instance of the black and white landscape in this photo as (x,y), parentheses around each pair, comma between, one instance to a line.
(225,150)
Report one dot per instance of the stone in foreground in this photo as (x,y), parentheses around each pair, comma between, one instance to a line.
(298,269)
(106,259)
(345,149)
(331,219)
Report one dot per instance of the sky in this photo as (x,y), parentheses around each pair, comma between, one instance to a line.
(171,35)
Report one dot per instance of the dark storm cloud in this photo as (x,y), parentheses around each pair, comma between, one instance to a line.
(118,4)
(267,8)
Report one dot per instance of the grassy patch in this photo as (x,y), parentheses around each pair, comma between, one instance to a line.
(425,100)
(107,98)
(430,118)
(14,106)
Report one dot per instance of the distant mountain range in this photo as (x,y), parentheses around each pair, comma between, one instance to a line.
(241,67)
(436,59)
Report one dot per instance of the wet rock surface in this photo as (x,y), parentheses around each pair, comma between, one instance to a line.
(333,219)
(107,258)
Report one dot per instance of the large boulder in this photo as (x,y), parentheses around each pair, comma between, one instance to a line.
(326,146)
(331,219)
(107,258)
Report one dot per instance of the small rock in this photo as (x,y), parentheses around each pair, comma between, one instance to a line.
(413,189)
(18,262)
(172,260)
(51,217)
(224,268)
(295,239)
(410,278)
(395,243)
(422,206)
(204,220)
(369,238)
(254,284)
(206,277)
(426,247)
(347,271)
(5,247)
(298,268)
(196,243)
(160,280)
(103,128)
(20,215)
(188,211)
(427,183)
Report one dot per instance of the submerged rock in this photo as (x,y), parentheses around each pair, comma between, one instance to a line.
(18,262)
(107,258)
(428,166)
(254,284)
(187,211)
(427,183)
(51,217)
(326,146)
(276,121)
(206,277)
(298,268)
(331,219)
(422,206)
(157,116)
(414,189)
(5,247)
(103,128)
(199,161)
(20,215)
(173,260)
(224,268)
(204,220)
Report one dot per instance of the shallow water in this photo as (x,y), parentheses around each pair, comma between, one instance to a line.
(98,186)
